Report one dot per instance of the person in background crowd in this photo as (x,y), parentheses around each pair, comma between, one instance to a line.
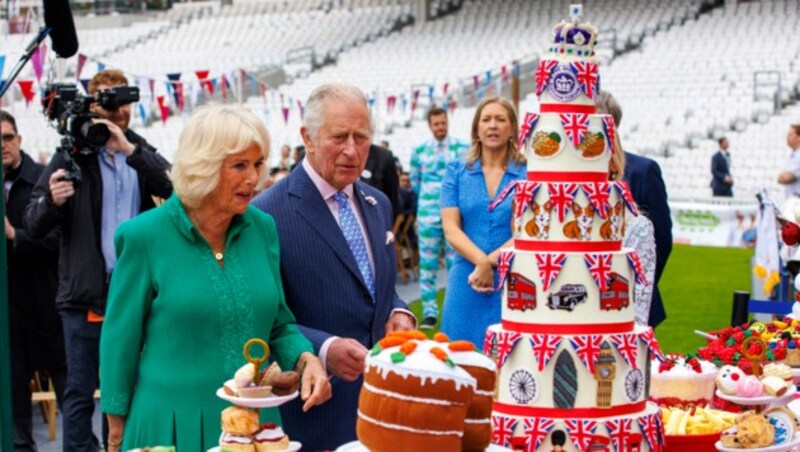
(640,236)
(195,280)
(790,176)
(120,180)
(643,175)
(408,207)
(477,234)
(385,145)
(299,154)
(381,173)
(721,179)
(286,159)
(428,164)
(36,336)
(408,199)
(337,258)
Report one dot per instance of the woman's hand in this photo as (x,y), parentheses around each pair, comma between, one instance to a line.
(116,429)
(482,278)
(315,388)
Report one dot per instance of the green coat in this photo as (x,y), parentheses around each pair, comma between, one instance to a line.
(176,324)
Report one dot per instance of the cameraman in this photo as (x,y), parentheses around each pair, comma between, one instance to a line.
(119,181)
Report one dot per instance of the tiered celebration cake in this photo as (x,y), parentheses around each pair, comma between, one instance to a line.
(573,367)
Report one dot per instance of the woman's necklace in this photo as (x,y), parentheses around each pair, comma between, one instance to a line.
(218,256)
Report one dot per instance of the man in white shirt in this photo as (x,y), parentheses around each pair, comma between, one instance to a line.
(790,176)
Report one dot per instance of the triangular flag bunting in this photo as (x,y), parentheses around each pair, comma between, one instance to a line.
(536,430)
(544,347)
(598,194)
(649,338)
(561,196)
(581,432)
(549,266)
(528,124)
(502,429)
(599,265)
(506,340)
(587,347)
(627,346)
(504,261)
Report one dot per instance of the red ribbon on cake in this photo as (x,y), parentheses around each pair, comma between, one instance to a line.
(568,108)
(572,176)
(574,247)
(568,329)
(569,413)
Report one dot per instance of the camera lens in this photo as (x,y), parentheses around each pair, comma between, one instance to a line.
(96,134)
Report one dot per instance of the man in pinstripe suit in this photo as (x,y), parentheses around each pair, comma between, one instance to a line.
(337,258)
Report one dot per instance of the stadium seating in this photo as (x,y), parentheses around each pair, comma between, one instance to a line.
(682,70)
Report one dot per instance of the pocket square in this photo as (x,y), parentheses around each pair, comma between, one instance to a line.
(389,237)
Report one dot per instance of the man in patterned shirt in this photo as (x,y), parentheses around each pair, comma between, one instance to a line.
(428,163)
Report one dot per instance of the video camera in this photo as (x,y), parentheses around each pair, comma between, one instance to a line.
(63,104)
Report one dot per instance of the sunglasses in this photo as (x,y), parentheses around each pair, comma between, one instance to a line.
(9,137)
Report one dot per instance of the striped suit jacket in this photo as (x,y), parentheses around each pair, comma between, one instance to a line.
(325,291)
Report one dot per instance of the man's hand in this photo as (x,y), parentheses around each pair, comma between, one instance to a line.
(399,321)
(315,387)
(11,234)
(345,358)
(118,141)
(60,190)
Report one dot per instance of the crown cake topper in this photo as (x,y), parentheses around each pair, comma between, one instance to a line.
(574,32)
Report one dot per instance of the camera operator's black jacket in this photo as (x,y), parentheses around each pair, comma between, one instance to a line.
(82,279)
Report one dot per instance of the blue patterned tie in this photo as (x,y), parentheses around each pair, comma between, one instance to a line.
(355,239)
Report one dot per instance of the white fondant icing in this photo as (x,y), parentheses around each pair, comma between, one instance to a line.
(574,271)
(477,421)
(601,430)
(420,363)
(396,395)
(556,232)
(522,357)
(404,428)
(474,359)
(568,158)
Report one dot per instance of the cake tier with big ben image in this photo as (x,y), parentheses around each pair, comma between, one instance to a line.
(573,366)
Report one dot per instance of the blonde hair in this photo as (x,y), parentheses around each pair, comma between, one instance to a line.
(213,132)
(476,149)
(607,104)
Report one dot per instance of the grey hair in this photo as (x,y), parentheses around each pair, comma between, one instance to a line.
(606,103)
(313,116)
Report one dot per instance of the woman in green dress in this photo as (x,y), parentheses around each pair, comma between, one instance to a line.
(195,279)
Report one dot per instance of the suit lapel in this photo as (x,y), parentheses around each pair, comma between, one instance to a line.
(310,206)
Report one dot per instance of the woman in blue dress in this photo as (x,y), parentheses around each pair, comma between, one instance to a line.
(476,233)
